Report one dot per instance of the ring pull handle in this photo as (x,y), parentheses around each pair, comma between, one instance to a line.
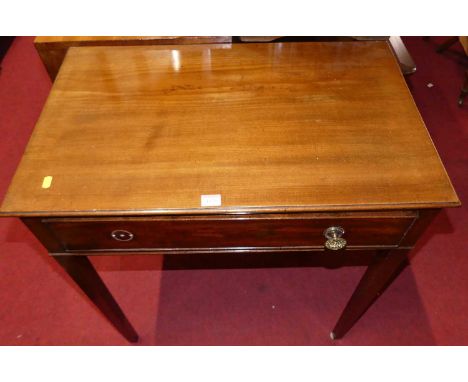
(334,238)
(122,235)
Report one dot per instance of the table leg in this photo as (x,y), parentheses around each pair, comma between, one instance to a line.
(464,90)
(447,44)
(378,276)
(80,269)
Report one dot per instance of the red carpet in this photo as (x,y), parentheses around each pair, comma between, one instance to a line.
(427,305)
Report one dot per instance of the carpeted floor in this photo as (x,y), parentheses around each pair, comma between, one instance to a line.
(427,305)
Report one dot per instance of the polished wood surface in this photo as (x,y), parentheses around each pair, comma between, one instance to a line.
(269,127)
(229,233)
(52,49)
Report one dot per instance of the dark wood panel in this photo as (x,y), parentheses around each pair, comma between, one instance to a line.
(423,220)
(236,232)
(44,234)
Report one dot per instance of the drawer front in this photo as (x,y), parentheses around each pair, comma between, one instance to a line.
(224,232)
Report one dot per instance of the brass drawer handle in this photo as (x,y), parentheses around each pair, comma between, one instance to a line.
(122,235)
(335,241)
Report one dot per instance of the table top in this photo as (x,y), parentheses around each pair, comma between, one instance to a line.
(268,127)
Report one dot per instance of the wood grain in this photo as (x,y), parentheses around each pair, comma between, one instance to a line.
(237,232)
(52,49)
(269,127)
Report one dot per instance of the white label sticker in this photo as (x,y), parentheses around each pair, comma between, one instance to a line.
(211,200)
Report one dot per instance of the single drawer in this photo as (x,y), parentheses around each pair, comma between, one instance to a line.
(229,232)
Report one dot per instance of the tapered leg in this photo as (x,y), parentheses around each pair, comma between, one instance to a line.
(464,90)
(80,269)
(378,276)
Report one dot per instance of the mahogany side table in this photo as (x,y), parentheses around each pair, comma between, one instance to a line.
(309,148)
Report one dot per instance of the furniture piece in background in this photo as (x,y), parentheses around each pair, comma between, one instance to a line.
(52,49)
(407,64)
(464,42)
(464,89)
(441,48)
(5,42)
(213,152)
(447,44)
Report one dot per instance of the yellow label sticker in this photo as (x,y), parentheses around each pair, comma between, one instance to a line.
(47,181)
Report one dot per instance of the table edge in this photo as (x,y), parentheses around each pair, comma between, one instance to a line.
(235,210)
